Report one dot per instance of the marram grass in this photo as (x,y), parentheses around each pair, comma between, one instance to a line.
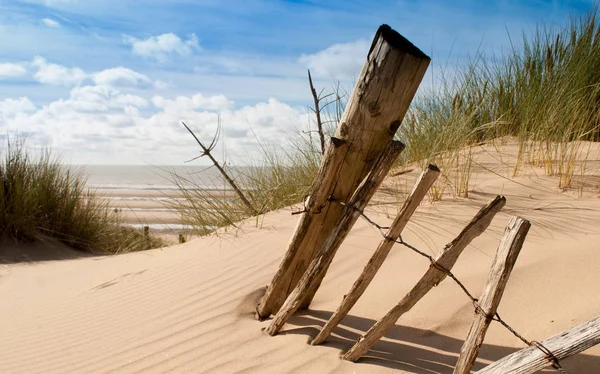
(40,198)
(544,92)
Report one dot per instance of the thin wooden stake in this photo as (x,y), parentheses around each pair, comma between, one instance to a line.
(325,255)
(562,345)
(425,181)
(505,259)
(384,89)
(432,277)
(206,151)
(321,190)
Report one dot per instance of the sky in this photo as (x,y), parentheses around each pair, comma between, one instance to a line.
(109,81)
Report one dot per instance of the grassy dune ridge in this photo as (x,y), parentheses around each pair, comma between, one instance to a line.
(40,198)
(544,91)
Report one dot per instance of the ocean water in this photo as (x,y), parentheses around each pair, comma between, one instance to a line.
(105,178)
(141,193)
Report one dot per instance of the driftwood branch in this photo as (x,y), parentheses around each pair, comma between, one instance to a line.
(385,87)
(434,275)
(562,345)
(317,111)
(206,152)
(505,259)
(425,181)
(321,262)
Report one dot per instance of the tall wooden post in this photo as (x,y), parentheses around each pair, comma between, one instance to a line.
(385,88)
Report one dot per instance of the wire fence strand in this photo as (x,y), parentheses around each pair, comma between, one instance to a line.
(496,317)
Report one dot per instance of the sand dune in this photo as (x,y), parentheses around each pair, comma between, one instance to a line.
(188,308)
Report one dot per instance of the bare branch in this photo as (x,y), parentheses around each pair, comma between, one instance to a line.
(206,152)
(317,113)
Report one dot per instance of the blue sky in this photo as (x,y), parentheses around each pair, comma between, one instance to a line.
(107,81)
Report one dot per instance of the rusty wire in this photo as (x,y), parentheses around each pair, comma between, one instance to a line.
(496,317)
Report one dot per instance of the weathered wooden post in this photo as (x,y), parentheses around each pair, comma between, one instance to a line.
(319,265)
(385,88)
(505,259)
(445,260)
(562,345)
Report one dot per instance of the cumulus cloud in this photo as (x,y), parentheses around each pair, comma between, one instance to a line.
(50,23)
(97,99)
(186,103)
(95,123)
(342,61)
(10,108)
(122,77)
(163,46)
(57,75)
(9,70)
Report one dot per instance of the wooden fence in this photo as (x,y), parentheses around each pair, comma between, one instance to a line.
(354,164)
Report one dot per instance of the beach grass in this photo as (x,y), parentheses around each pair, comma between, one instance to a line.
(280,178)
(40,198)
(543,93)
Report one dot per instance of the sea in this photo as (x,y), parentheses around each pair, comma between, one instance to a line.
(141,193)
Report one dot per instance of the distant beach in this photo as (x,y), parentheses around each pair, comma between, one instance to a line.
(141,192)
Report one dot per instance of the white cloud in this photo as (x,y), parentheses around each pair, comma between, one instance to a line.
(58,75)
(15,107)
(197,101)
(162,46)
(103,124)
(50,23)
(341,61)
(123,78)
(9,70)
(98,99)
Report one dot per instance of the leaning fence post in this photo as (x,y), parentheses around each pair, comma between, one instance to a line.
(422,185)
(562,345)
(385,87)
(321,189)
(351,212)
(437,272)
(505,259)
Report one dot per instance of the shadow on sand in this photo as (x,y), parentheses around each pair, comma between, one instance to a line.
(12,252)
(411,349)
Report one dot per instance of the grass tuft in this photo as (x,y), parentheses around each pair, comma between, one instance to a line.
(41,198)
(545,92)
(282,178)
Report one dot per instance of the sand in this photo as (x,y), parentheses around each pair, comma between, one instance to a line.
(188,308)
